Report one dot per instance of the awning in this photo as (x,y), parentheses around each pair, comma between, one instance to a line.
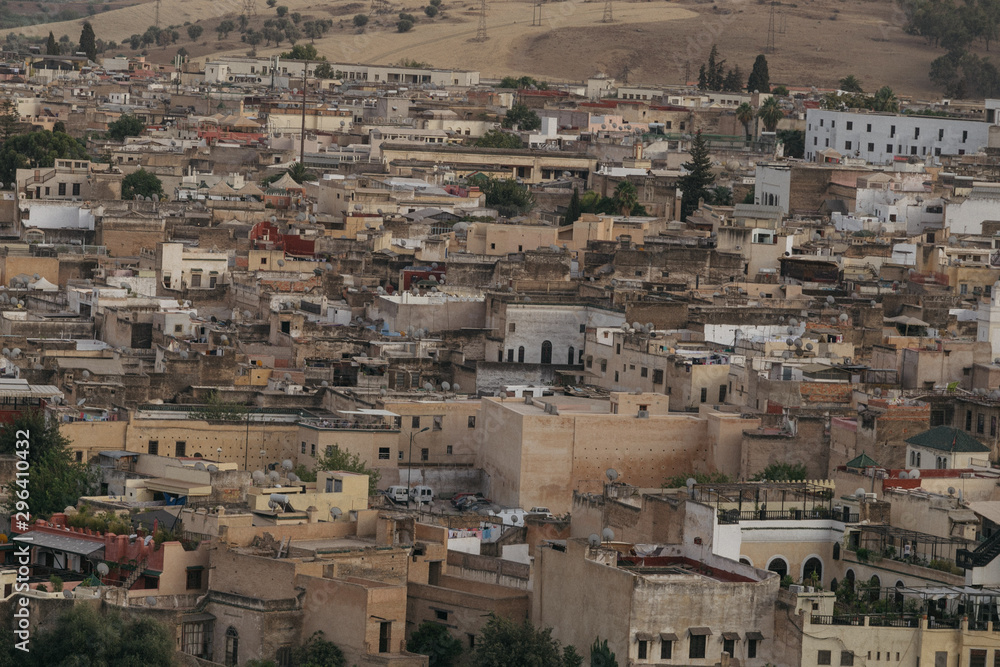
(178,487)
(963,516)
(668,636)
(643,637)
(755,636)
(118,454)
(988,509)
(67,543)
(733,636)
(700,631)
(197,618)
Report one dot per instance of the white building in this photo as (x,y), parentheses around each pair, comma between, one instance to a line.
(878,138)
(243,70)
(967,217)
(989,321)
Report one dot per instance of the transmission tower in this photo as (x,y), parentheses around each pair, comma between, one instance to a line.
(249,9)
(481,32)
(770,29)
(608,16)
(380,7)
(156,20)
(536,14)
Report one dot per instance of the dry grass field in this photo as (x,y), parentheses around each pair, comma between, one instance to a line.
(817,41)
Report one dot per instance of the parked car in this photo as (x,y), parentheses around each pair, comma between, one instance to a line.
(544,511)
(472,502)
(458,497)
(397,494)
(422,494)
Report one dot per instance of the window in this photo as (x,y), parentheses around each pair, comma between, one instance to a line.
(438,420)
(512,327)
(604,365)
(583,328)
(616,376)
(666,649)
(62,189)
(400,457)
(993,425)
(440,615)
(312,449)
(79,457)
(729,646)
(752,648)
(414,422)
(180,447)
(847,658)
(154,447)
(425,454)
(696,646)
(472,422)
(510,355)
(722,393)
(618,348)
(704,394)
(197,639)
(871,147)
(338,485)
(980,423)
(284,656)
(644,372)
(847,145)
(892,130)
(643,649)
(916,133)
(823,658)
(448,450)
(194,579)
(303,446)
(232,647)
(850,125)
(940,134)
(965,135)
(888,148)
(76,189)
(384,634)
(657,376)
(968,420)
(977,657)
(383,453)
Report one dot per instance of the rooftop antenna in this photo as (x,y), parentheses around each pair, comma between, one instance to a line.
(536,13)
(481,32)
(608,16)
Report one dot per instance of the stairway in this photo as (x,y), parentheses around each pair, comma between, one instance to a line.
(135,574)
(982,555)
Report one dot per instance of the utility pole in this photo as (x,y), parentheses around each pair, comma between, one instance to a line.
(302,138)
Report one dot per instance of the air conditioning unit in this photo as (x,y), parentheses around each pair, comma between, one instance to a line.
(871,496)
(643,414)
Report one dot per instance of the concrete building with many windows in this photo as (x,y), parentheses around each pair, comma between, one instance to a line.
(880,138)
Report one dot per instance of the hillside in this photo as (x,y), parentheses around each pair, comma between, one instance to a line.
(655,42)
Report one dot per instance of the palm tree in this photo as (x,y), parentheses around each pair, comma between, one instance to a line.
(885,100)
(298,172)
(850,84)
(626,197)
(770,114)
(745,114)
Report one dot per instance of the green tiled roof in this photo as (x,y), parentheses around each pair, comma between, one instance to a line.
(948,439)
(863,461)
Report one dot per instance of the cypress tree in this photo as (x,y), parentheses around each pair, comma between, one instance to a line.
(51,47)
(759,77)
(697,182)
(574,210)
(88,41)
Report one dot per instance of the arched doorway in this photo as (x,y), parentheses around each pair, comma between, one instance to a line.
(546,352)
(874,588)
(812,571)
(520,355)
(778,565)
(570,356)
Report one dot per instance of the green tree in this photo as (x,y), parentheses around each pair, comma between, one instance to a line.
(781,472)
(770,114)
(601,655)
(225,27)
(760,78)
(504,643)
(337,459)
(302,52)
(745,114)
(194,31)
(404,25)
(721,196)
(522,82)
(733,83)
(699,178)
(272,3)
(324,71)
(524,118)
(51,46)
(795,142)
(88,41)
(281,10)
(715,69)
(573,210)
(126,126)
(299,172)
(507,196)
(434,641)
(678,481)
(318,652)
(55,584)
(39,148)
(360,20)
(431,11)
(84,636)
(498,139)
(625,197)
(143,183)
(885,100)
(702,78)
(10,119)
(780,91)
(850,84)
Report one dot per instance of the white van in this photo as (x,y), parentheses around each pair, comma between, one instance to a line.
(397,494)
(422,494)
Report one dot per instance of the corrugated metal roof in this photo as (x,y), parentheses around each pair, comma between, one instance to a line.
(68,543)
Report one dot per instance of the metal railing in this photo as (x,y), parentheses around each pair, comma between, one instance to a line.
(345,425)
(736,516)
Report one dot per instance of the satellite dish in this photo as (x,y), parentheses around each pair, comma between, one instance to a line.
(281,262)
(273,476)
(150,601)
(611,474)
(69,595)
(81,401)
(258,476)
(86,375)
(951,490)
(336,512)
(446,386)
(287,377)
(859,492)
(292,477)
(199,466)
(608,534)
(287,464)
(594,540)
(324,383)
(102,569)
(690,482)
(456,387)
(914,474)
(904,475)
(428,386)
